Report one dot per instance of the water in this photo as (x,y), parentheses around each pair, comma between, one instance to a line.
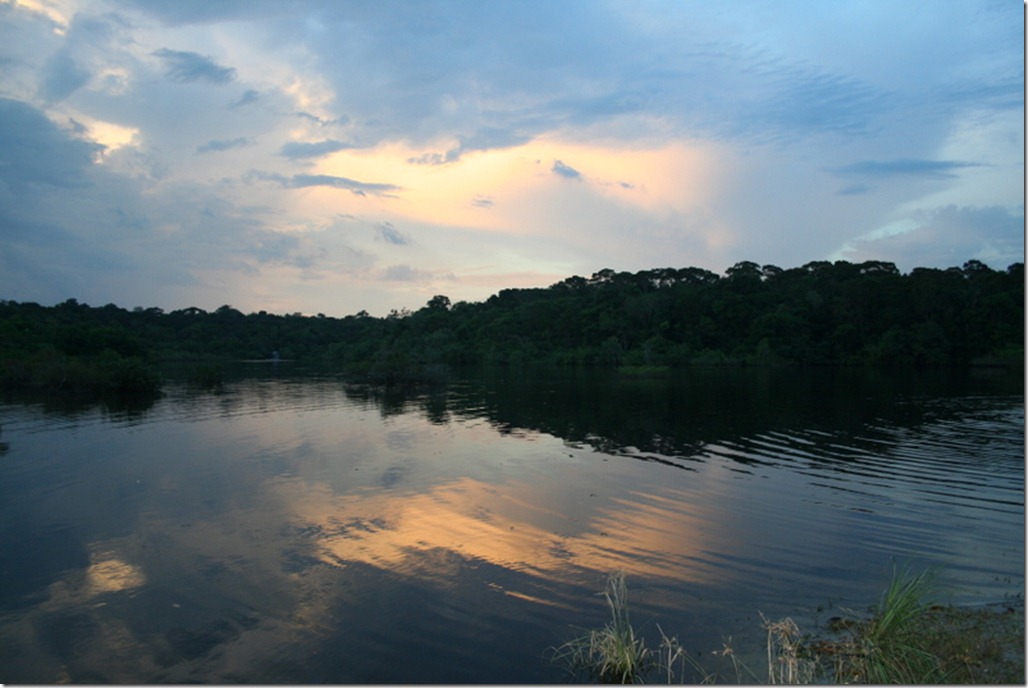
(292,529)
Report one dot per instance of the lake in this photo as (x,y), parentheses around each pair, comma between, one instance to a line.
(291,528)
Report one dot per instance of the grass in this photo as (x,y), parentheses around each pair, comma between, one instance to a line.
(906,640)
(612,654)
(891,647)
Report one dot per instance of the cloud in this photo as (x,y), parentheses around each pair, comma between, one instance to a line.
(223,145)
(283,248)
(559,168)
(299,181)
(193,12)
(185,67)
(249,97)
(487,138)
(75,228)
(452,155)
(34,151)
(788,102)
(91,45)
(390,234)
(853,190)
(946,237)
(810,138)
(321,121)
(62,76)
(359,188)
(295,150)
(405,273)
(884,169)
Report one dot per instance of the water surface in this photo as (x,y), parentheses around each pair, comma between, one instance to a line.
(295,529)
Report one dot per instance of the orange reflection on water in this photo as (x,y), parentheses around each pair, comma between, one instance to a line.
(507,525)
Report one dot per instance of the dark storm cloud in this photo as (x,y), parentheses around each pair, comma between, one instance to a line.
(185,67)
(295,150)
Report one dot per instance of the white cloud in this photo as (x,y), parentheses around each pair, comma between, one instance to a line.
(944,237)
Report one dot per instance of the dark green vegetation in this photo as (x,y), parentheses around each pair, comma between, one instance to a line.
(72,349)
(822,313)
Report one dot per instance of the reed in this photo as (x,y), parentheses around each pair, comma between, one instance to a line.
(788,660)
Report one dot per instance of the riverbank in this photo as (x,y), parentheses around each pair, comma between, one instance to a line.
(983,644)
(904,640)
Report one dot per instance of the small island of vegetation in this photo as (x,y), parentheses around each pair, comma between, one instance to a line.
(822,313)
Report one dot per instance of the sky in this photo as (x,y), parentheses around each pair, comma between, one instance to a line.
(324,156)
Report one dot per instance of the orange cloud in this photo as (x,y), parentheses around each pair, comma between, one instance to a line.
(515,189)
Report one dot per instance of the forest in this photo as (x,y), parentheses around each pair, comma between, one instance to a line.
(822,313)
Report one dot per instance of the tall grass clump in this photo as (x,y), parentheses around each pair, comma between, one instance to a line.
(892,646)
(612,654)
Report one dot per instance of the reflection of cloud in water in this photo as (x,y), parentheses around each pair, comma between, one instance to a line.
(76,621)
(110,574)
(185,601)
(502,524)
(196,594)
(107,573)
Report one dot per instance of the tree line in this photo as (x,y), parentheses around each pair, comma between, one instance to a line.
(822,313)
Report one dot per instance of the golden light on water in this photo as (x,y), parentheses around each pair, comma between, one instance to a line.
(503,524)
(107,573)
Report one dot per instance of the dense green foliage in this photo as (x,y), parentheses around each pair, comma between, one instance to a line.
(822,313)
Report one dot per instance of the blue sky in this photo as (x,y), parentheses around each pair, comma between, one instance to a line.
(327,156)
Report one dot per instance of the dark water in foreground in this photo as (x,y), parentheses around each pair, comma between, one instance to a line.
(292,529)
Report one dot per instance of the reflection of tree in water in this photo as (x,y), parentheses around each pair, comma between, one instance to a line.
(675,417)
(397,400)
(114,407)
